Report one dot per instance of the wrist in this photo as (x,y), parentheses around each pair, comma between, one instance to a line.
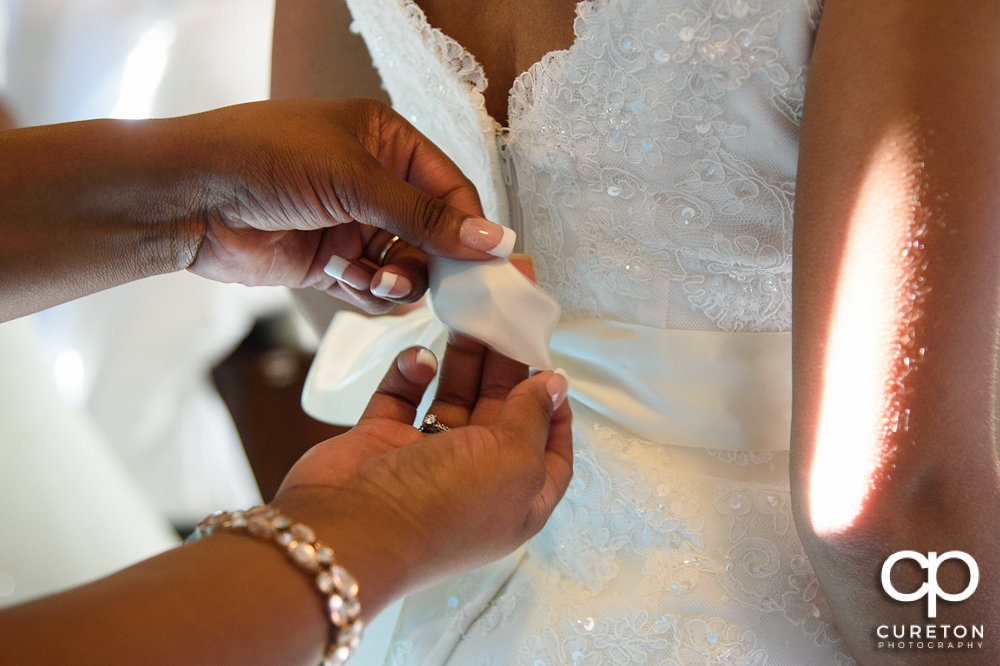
(376,554)
(303,549)
(169,183)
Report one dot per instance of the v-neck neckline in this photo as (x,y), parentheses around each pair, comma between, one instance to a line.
(414,9)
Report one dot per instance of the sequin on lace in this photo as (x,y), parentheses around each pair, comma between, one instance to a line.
(655,163)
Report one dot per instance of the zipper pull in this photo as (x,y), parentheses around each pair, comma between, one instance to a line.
(510,185)
(503,137)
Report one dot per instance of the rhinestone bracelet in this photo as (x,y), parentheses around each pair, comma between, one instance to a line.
(337,587)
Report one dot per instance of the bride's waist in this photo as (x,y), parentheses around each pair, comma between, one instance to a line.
(706,389)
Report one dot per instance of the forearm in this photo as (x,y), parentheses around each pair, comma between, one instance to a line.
(896,275)
(228,600)
(225,599)
(89,205)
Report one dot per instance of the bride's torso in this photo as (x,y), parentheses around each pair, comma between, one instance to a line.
(652,158)
(648,164)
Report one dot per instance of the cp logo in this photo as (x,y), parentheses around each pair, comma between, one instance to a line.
(930,588)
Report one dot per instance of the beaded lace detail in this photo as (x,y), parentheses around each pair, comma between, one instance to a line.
(655,158)
(437,85)
(655,163)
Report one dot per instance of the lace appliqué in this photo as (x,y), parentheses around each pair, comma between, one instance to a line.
(437,85)
(655,162)
(645,185)
(760,569)
(590,640)
(644,515)
(742,458)
(639,639)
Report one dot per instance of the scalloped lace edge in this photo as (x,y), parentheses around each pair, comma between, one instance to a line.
(464,67)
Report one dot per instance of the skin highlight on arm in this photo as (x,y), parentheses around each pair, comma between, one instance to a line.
(878,299)
(897,269)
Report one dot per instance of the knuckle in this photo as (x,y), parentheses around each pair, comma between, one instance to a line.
(456,399)
(431,216)
(397,386)
(536,478)
(482,439)
(541,402)
(374,118)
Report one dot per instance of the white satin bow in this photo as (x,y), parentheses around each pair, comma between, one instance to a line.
(493,302)
(487,300)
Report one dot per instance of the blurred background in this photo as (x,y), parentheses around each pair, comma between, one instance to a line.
(127,416)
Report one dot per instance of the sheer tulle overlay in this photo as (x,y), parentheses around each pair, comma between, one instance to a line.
(649,169)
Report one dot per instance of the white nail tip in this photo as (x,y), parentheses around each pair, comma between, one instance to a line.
(426,357)
(336,266)
(560,371)
(506,244)
(386,282)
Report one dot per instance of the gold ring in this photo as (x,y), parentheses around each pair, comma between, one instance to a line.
(385,250)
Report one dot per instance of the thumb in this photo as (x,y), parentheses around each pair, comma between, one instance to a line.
(421,196)
(403,386)
(525,416)
(536,416)
(427,222)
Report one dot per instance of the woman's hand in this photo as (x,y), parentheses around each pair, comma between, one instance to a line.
(264,194)
(403,508)
(400,507)
(411,507)
(337,178)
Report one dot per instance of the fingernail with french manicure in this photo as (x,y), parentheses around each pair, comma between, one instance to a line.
(557,386)
(426,358)
(391,285)
(419,368)
(343,270)
(487,236)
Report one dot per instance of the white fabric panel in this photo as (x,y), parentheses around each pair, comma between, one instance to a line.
(70,511)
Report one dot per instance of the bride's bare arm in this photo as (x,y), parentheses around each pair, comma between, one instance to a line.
(897,267)
(314,53)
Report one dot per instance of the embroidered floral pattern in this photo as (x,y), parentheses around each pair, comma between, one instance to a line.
(596,641)
(655,164)
(640,169)
(742,458)
(657,511)
(716,642)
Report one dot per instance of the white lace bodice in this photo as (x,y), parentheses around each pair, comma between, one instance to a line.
(653,162)
(649,169)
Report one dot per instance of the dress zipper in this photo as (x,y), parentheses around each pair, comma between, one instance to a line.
(510,185)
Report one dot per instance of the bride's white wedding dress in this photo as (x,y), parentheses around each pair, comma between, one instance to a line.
(649,170)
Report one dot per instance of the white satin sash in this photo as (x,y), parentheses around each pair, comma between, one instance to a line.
(705,389)
(487,300)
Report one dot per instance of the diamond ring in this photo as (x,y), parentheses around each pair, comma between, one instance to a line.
(432,426)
